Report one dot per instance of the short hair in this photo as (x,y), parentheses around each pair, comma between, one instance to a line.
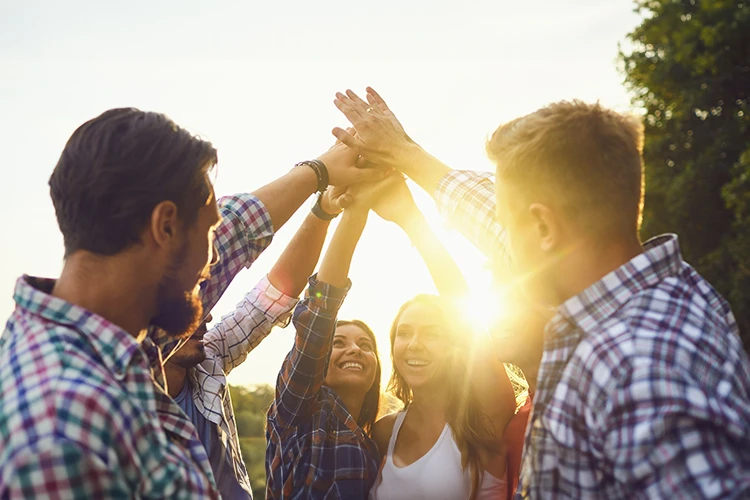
(116,168)
(584,158)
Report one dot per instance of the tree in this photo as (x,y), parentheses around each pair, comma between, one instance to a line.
(689,69)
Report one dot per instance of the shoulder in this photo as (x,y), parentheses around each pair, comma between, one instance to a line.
(382,430)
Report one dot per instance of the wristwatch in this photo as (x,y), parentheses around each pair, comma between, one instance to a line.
(318,211)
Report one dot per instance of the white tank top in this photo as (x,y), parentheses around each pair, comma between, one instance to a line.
(435,476)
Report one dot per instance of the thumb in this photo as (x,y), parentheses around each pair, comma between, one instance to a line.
(344,201)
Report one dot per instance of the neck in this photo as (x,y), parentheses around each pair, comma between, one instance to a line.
(591,261)
(176,376)
(108,287)
(353,400)
(430,404)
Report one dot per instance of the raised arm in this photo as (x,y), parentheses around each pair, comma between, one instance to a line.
(466,199)
(284,196)
(490,382)
(302,374)
(395,203)
(271,301)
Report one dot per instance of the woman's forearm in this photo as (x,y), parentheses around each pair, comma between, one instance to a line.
(446,275)
(334,269)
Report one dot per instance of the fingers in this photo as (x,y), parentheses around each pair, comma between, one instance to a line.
(361,105)
(351,111)
(375,105)
(344,201)
(349,130)
(348,139)
(374,97)
(369,175)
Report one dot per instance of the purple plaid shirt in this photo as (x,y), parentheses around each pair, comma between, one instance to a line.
(644,388)
(80,415)
(315,448)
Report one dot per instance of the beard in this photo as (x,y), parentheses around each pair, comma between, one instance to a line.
(179,312)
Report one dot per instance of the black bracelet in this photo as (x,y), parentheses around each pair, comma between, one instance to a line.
(321,172)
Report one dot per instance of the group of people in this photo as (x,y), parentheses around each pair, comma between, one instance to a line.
(112,385)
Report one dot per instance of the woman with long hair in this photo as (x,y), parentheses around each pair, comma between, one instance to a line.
(328,389)
(447,442)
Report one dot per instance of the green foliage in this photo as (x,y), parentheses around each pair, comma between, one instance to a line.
(250,406)
(689,69)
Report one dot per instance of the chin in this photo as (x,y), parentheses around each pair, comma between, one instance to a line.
(351,380)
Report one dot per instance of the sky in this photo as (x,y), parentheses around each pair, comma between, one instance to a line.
(258,79)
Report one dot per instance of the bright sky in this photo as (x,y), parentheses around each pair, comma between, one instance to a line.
(258,80)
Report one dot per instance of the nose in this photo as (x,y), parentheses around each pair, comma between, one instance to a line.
(415,344)
(353,349)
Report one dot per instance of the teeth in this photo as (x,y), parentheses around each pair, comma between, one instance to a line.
(417,362)
(352,365)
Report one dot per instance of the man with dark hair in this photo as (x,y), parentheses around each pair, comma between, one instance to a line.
(146,246)
(643,387)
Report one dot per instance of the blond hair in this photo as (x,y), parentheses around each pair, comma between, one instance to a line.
(583,158)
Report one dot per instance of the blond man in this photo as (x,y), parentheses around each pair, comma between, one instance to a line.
(643,387)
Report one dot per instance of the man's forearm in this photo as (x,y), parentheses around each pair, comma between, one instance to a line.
(297,262)
(423,168)
(284,196)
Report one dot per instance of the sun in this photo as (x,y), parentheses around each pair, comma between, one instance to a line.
(481,309)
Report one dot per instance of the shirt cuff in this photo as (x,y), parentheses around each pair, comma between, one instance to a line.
(454,186)
(324,296)
(276,305)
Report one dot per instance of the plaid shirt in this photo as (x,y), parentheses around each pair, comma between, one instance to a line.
(245,232)
(80,414)
(644,385)
(227,346)
(315,448)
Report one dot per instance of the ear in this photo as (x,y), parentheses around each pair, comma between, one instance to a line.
(547,226)
(164,223)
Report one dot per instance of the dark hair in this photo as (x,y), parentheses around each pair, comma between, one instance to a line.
(116,168)
(371,404)
(585,157)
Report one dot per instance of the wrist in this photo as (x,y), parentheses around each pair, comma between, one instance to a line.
(322,210)
(412,222)
(306,176)
(354,216)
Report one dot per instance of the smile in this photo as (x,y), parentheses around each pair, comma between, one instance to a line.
(417,362)
(352,365)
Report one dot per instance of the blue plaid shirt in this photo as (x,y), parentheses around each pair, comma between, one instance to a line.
(644,388)
(315,448)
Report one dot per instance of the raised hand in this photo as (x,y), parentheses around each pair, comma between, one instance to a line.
(336,199)
(394,201)
(340,161)
(380,137)
(366,195)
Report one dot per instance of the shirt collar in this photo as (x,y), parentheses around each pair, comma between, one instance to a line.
(660,259)
(115,346)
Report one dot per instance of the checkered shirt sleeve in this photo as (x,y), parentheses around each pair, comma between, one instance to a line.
(304,368)
(240,331)
(466,200)
(245,232)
